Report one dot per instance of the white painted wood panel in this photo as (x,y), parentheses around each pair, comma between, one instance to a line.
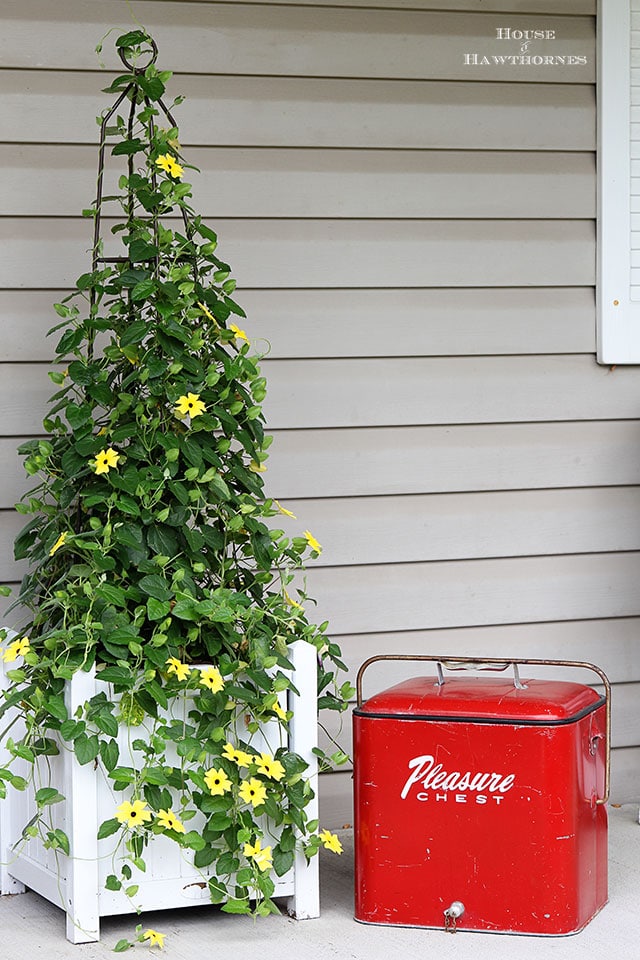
(414,596)
(59,107)
(336,253)
(405,529)
(262,40)
(356,323)
(60,181)
(398,391)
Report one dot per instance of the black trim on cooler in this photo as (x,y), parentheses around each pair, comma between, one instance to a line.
(510,721)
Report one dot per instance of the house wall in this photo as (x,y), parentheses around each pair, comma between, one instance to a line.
(414,236)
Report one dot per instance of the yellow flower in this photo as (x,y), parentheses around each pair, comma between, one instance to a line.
(238,756)
(261,856)
(290,600)
(269,767)
(277,709)
(212,678)
(253,791)
(181,670)
(61,539)
(191,405)
(217,781)
(170,165)
(168,821)
(105,460)
(207,313)
(287,513)
(239,334)
(133,814)
(256,467)
(17,648)
(154,938)
(311,540)
(331,841)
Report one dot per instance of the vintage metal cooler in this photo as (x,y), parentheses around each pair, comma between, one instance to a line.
(480,802)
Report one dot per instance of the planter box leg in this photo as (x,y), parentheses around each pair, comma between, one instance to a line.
(305,902)
(8,884)
(82,890)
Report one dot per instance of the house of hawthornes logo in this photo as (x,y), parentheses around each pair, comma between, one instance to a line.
(522,49)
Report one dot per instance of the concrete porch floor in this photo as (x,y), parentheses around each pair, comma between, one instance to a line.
(32,927)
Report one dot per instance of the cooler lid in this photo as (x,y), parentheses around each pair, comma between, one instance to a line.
(484,698)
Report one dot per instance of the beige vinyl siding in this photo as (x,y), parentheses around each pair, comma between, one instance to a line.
(414,243)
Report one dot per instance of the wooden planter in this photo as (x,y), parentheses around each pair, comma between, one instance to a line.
(76,883)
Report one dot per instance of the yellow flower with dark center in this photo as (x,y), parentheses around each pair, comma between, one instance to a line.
(237,756)
(269,767)
(105,460)
(253,791)
(133,814)
(217,781)
(154,938)
(180,669)
(311,540)
(170,165)
(212,678)
(239,334)
(168,821)
(190,405)
(61,539)
(330,841)
(262,857)
(17,648)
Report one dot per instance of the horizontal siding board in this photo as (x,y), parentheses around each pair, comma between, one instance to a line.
(565,7)
(611,644)
(463,526)
(346,393)
(353,323)
(302,41)
(60,107)
(337,253)
(60,181)
(475,592)
(355,463)
(376,530)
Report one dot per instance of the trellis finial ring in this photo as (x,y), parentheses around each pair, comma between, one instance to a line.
(140,68)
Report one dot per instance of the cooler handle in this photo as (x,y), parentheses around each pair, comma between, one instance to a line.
(494,663)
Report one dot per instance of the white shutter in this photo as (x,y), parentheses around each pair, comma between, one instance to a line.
(618,289)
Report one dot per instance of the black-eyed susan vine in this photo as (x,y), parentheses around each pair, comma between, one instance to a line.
(154,557)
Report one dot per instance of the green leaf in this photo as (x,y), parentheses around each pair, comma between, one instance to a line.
(47,796)
(202,858)
(152,86)
(55,705)
(236,906)
(142,250)
(282,861)
(109,752)
(127,148)
(155,586)
(157,609)
(132,39)
(112,882)
(122,945)
(107,828)
(62,840)
(86,748)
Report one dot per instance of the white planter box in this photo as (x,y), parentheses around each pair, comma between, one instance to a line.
(76,883)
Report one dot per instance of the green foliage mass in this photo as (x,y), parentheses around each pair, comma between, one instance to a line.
(151,539)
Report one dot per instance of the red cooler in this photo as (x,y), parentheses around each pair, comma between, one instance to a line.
(480,802)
